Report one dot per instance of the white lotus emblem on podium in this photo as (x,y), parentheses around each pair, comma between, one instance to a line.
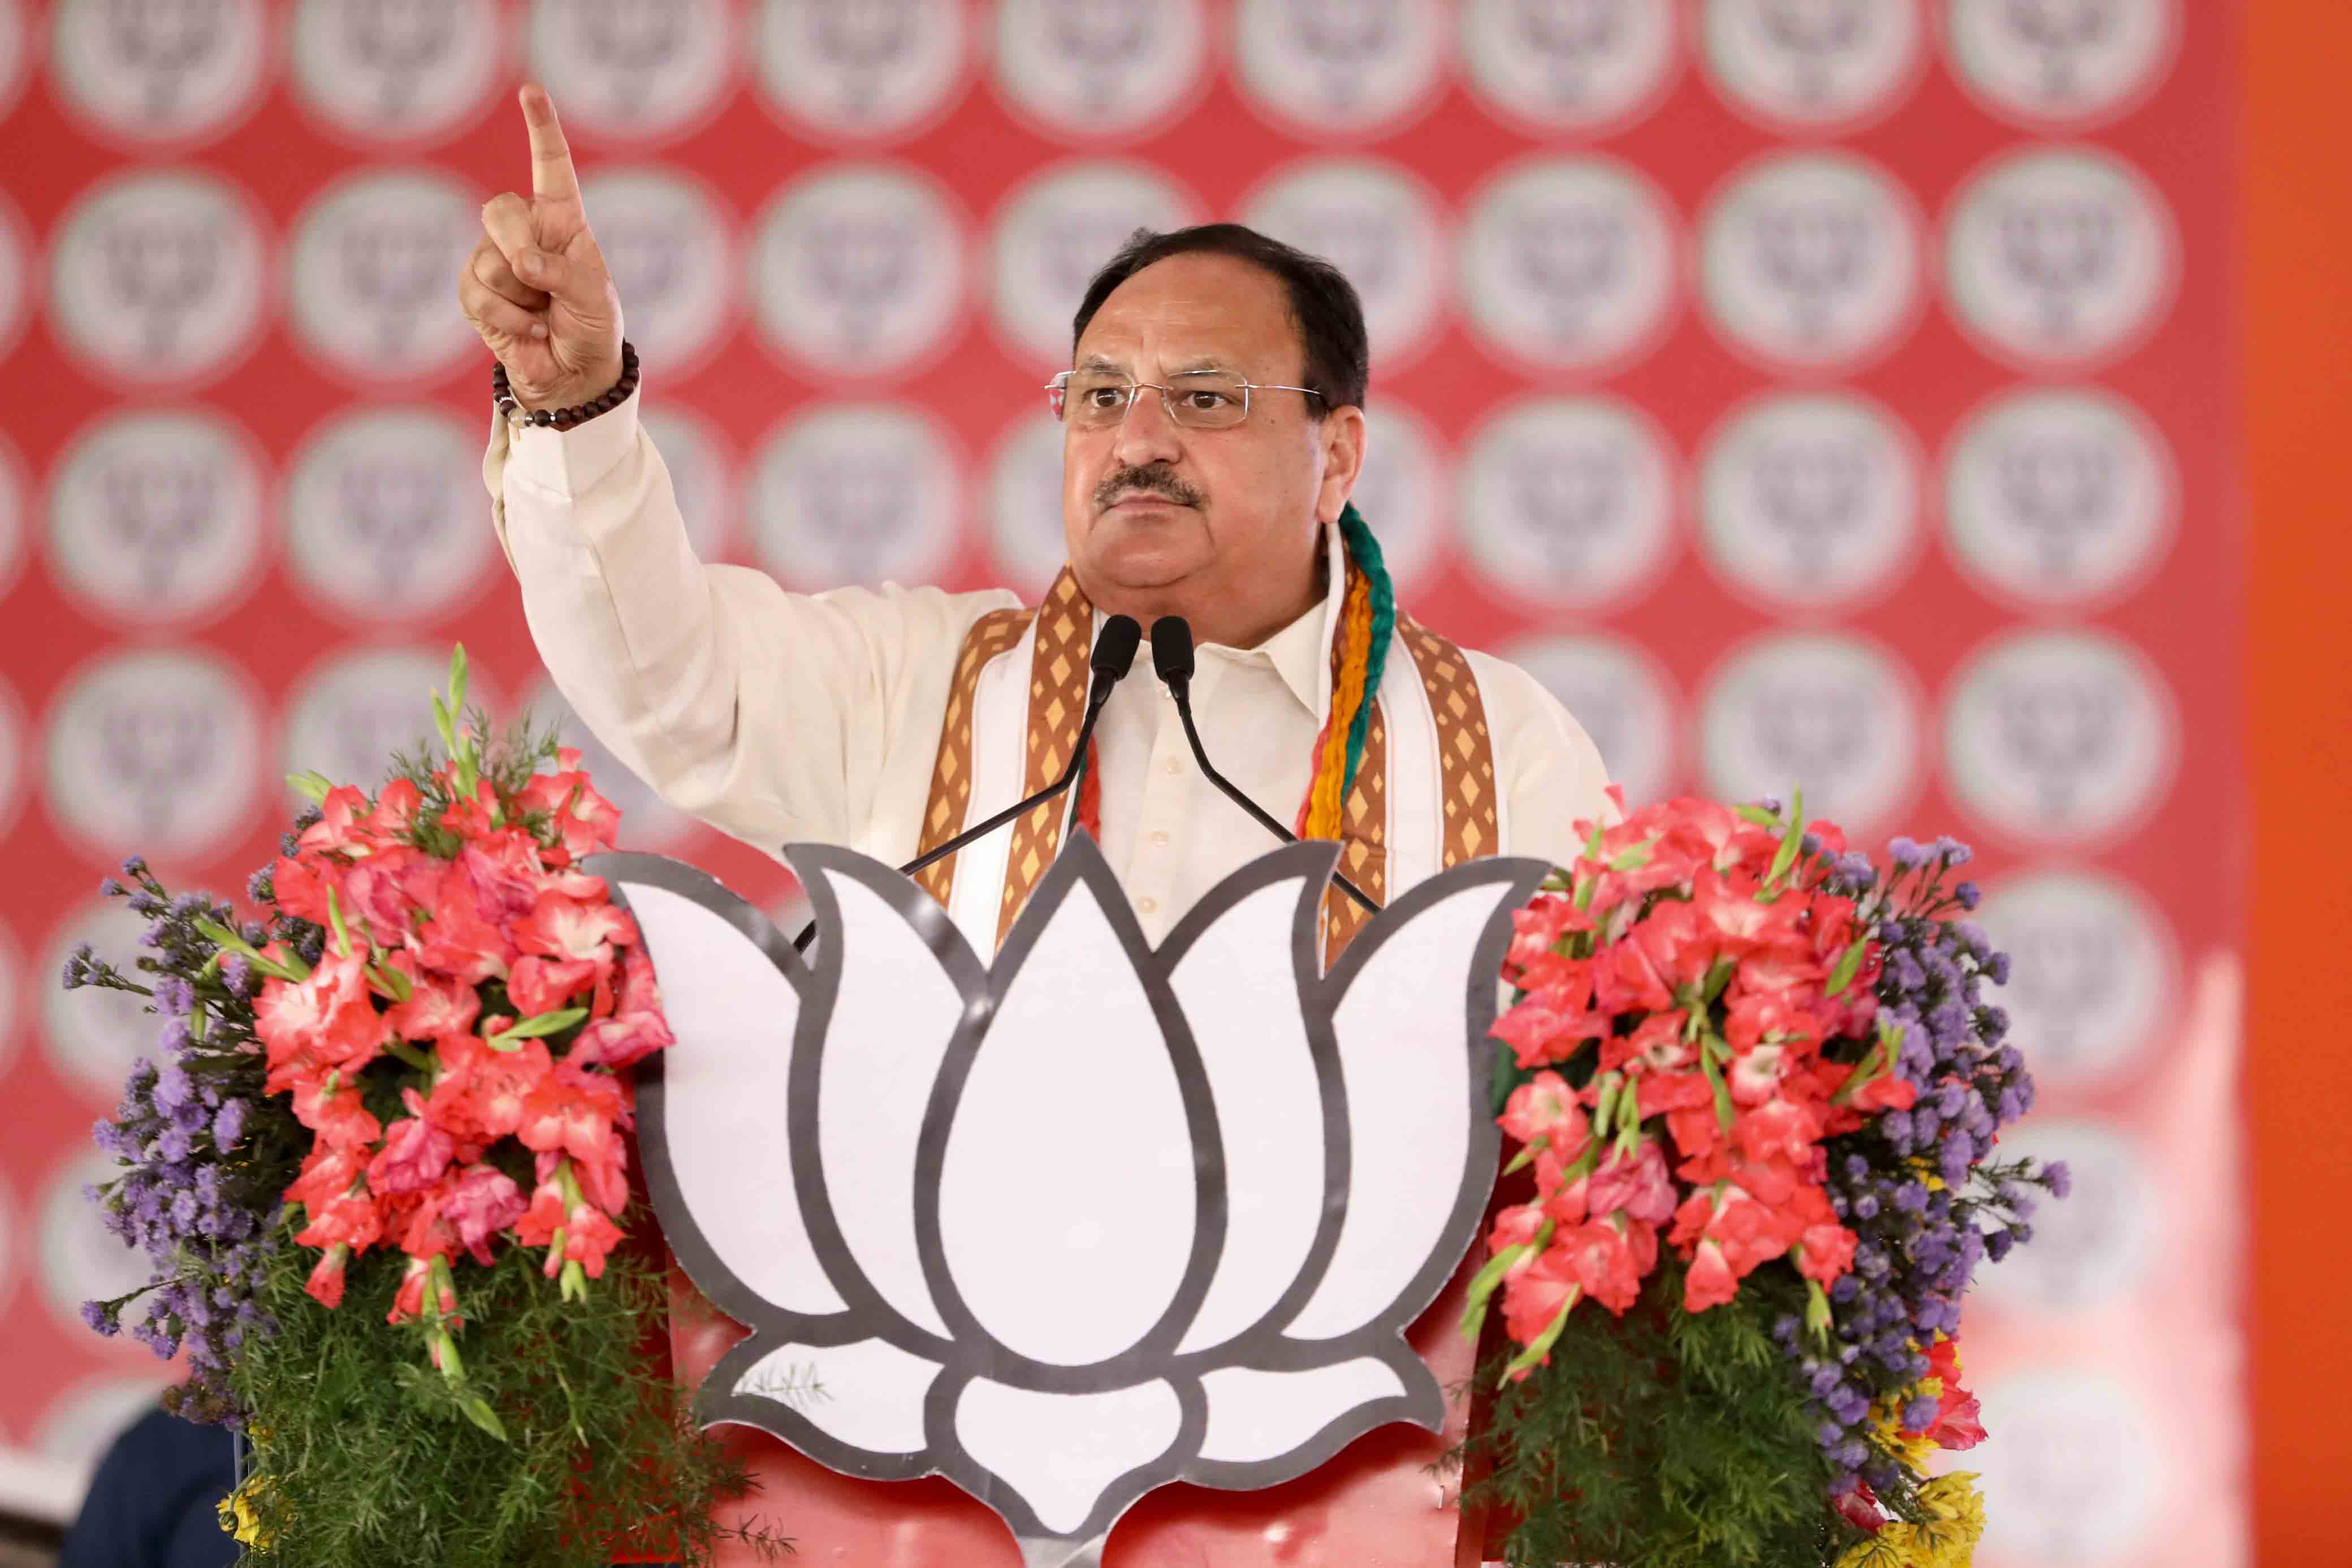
(1090,1219)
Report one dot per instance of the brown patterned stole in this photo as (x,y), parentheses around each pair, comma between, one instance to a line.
(1057,695)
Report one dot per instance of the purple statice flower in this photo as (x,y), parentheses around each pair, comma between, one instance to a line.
(102,1318)
(175,994)
(236,975)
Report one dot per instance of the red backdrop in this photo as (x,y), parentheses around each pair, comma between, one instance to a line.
(1807,390)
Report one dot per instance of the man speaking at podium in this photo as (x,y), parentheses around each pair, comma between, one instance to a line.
(1215,425)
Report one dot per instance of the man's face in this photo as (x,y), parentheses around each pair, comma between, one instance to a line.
(1219,526)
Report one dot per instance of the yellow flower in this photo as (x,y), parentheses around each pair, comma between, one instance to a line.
(237,1518)
(1946,1538)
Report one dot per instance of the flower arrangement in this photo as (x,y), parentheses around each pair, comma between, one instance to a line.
(399,1098)
(1757,1088)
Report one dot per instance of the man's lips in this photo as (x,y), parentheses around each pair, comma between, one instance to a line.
(1142,499)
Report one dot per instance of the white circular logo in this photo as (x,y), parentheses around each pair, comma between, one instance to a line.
(1810,260)
(1620,697)
(856,493)
(160,277)
(371,269)
(384,514)
(1809,499)
(347,714)
(1053,234)
(155,750)
(81,1260)
(700,477)
(2089,971)
(93,1033)
(1340,66)
(14,54)
(2061,61)
(634,69)
(1815,63)
(1568,64)
(1096,70)
(648,822)
(2059,257)
(1376,223)
(12,779)
(1569,263)
(415,71)
(862,72)
(1567,502)
(669,244)
(1024,504)
(858,268)
(2059,496)
(1402,491)
(2071,1468)
(1832,714)
(2094,1248)
(16,275)
(2059,736)
(155,515)
(169,71)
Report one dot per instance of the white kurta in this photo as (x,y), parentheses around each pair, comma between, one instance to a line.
(782,717)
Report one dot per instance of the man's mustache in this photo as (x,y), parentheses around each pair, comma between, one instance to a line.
(1158,479)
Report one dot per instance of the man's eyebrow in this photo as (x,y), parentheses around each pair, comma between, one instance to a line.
(1101,362)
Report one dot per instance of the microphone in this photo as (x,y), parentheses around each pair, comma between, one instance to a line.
(1114,654)
(1172,657)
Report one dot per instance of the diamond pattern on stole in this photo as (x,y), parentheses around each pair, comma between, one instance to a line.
(1465,749)
(944,813)
(1059,674)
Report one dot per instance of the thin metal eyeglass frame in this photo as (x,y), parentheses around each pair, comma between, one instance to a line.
(1057,398)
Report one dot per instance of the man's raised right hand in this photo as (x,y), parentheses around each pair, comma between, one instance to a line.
(536,287)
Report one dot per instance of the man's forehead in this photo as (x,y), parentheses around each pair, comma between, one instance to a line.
(1180,365)
(1192,311)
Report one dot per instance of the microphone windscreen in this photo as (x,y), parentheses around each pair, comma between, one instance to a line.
(1115,648)
(1171,648)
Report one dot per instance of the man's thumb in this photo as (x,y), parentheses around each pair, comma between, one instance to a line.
(554,274)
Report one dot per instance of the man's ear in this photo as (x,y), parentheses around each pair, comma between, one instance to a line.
(1344,434)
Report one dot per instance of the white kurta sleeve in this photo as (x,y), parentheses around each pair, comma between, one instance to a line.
(771,716)
(1550,772)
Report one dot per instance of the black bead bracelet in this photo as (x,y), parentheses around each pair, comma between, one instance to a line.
(502,395)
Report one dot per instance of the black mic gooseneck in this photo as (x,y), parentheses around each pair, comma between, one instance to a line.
(1172,657)
(1113,657)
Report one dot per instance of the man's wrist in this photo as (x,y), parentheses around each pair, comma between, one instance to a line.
(563,409)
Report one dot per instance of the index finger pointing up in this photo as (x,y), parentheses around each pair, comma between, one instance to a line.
(551,174)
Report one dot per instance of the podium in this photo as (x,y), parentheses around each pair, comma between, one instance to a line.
(1091,1254)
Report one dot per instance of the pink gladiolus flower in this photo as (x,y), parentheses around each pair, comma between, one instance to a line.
(458,941)
(1544,1107)
(542,985)
(339,1119)
(1534,1295)
(574,1109)
(351,1220)
(584,820)
(437,1007)
(621,1041)
(379,894)
(410,1300)
(415,1154)
(487,1091)
(481,1202)
(329,1019)
(342,824)
(299,887)
(561,927)
(325,1284)
(1641,1187)
(1608,1256)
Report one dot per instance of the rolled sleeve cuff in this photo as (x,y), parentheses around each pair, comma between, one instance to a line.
(568,463)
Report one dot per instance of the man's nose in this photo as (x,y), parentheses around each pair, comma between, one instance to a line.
(1146,433)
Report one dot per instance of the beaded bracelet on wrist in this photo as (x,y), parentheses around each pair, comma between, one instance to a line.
(502,396)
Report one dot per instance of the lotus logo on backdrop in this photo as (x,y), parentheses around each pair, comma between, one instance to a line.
(1340,66)
(669,245)
(353,709)
(370,269)
(858,270)
(1567,502)
(16,274)
(648,822)
(2087,991)
(638,69)
(2063,60)
(1809,499)
(159,277)
(156,517)
(2072,1471)
(2062,257)
(1622,700)
(93,1034)
(1815,63)
(14,54)
(13,509)
(1811,259)
(1258,1175)
(1024,504)
(2060,496)
(160,70)
(1378,225)
(2097,1247)
(1568,262)
(12,797)
(851,493)
(1830,712)
(700,477)
(395,70)
(2059,735)
(155,750)
(1053,234)
(872,69)
(381,515)
(1100,69)
(1568,64)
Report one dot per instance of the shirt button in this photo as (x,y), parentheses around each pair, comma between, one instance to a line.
(1175,765)
(1146,904)
(1159,838)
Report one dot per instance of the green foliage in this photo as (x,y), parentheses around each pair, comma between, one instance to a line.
(366,1457)
(1662,1439)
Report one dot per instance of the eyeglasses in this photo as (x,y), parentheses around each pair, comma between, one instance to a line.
(1198,399)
